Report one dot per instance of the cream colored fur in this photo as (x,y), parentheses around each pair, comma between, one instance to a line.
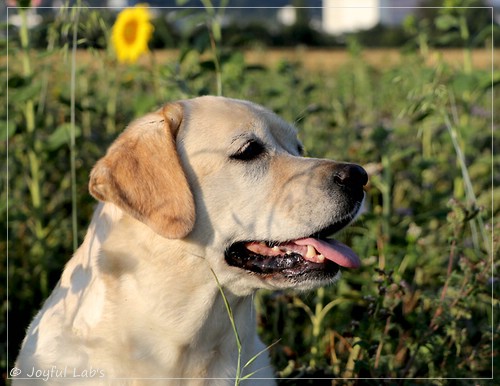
(138,303)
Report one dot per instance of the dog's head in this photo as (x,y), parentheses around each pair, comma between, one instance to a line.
(229,177)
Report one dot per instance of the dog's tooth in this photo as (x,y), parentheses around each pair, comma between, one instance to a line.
(321,258)
(311,252)
(288,252)
(276,249)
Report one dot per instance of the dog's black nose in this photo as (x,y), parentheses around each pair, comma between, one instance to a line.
(350,175)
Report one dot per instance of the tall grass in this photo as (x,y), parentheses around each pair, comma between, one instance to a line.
(425,302)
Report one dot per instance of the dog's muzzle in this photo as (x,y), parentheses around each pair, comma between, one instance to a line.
(314,256)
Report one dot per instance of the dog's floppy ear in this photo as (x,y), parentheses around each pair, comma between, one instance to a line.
(141,173)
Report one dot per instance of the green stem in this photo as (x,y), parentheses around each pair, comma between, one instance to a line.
(72,147)
(469,190)
(111,105)
(37,249)
(29,112)
(386,196)
(23,34)
(214,31)
(233,325)
(218,72)
(318,314)
(465,35)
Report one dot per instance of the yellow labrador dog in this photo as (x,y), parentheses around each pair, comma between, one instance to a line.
(202,195)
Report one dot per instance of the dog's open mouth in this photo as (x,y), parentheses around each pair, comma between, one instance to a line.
(292,258)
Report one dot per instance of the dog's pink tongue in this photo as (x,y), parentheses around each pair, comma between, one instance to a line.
(333,250)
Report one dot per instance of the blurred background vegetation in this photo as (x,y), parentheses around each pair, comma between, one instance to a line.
(425,303)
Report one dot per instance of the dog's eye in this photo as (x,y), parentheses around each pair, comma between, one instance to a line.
(249,151)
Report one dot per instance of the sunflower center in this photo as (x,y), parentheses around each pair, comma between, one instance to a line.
(130,31)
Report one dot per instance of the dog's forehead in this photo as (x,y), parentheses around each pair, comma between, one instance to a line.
(223,119)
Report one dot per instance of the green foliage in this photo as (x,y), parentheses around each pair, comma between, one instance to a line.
(424,304)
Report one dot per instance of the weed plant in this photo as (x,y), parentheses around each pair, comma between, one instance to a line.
(424,305)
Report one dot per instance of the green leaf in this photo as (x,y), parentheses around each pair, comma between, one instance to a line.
(7,129)
(449,38)
(144,104)
(23,93)
(62,136)
(216,31)
(252,359)
(201,43)
(465,83)
(446,22)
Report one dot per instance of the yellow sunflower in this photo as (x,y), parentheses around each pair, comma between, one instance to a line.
(131,33)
